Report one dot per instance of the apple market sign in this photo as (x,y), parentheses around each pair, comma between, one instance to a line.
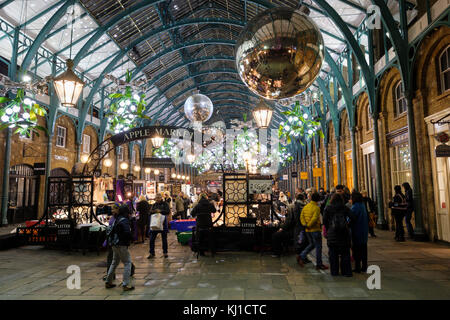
(141,133)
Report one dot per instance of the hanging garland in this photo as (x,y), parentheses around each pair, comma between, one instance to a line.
(21,113)
(126,107)
(298,125)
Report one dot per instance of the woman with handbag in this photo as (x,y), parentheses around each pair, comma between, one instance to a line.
(398,207)
(160,207)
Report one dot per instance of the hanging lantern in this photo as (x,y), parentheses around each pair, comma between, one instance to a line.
(157,141)
(156,172)
(262,115)
(198,108)
(68,86)
(279,53)
(84,158)
(137,168)
(148,170)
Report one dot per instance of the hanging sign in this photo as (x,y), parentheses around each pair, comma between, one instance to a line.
(39,168)
(158,163)
(149,132)
(442,151)
(285,177)
(317,172)
(304,175)
(260,186)
(294,174)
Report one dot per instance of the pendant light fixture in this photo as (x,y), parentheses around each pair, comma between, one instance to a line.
(262,115)
(68,86)
(157,141)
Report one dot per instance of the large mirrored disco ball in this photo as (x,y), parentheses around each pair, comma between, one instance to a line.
(279,53)
(198,108)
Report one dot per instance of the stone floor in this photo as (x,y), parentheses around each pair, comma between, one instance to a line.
(410,270)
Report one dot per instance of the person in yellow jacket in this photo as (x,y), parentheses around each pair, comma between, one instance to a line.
(310,219)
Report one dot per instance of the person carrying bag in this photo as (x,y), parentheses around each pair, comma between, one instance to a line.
(158,224)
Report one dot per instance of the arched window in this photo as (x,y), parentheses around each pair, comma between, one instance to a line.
(444,69)
(369,119)
(400,101)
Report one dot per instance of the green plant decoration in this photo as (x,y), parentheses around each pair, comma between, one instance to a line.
(21,113)
(126,107)
(298,125)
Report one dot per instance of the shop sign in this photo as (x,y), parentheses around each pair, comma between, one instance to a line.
(62,158)
(285,177)
(158,163)
(442,151)
(304,175)
(161,178)
(294,174)
(260,186)
(317,172)
(39,168)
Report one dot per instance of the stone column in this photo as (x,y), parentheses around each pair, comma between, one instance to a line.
(419,231)
(381,223)
(338,158)
(354,158)
(327,166)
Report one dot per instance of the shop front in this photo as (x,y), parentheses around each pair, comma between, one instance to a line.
(368,150)
(438,133)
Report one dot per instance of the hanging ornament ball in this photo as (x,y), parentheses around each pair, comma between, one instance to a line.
(198,108)
(279,53)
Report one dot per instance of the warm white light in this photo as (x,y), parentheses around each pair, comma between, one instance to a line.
(178,176)
(183,177)
(174,175)
(156,172)
(191,157)
(84,158)
(148,170)
(124,166)
(68,86)
(262,115)
(137,168)
(157,141)
(107,163)
(26,78)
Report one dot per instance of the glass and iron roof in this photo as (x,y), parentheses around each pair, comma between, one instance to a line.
(178,46)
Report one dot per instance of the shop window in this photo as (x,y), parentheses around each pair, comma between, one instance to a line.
(61,133)
(401,164)
(444,68)
(400,101)
(86,143)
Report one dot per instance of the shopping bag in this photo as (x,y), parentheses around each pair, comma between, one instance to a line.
(157,222)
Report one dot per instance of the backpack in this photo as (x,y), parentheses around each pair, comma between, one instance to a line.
(339,224)
(112,235)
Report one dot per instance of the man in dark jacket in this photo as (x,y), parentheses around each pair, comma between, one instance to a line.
(120,239)
(202,213)
(337,219)
(162,207)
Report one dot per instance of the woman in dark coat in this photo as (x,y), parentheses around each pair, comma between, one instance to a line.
(143,207)
(160,206)
(336,219)
(202,213)
(360,232)
(398,207)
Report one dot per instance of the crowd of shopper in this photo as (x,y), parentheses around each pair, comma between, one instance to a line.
(344,218)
